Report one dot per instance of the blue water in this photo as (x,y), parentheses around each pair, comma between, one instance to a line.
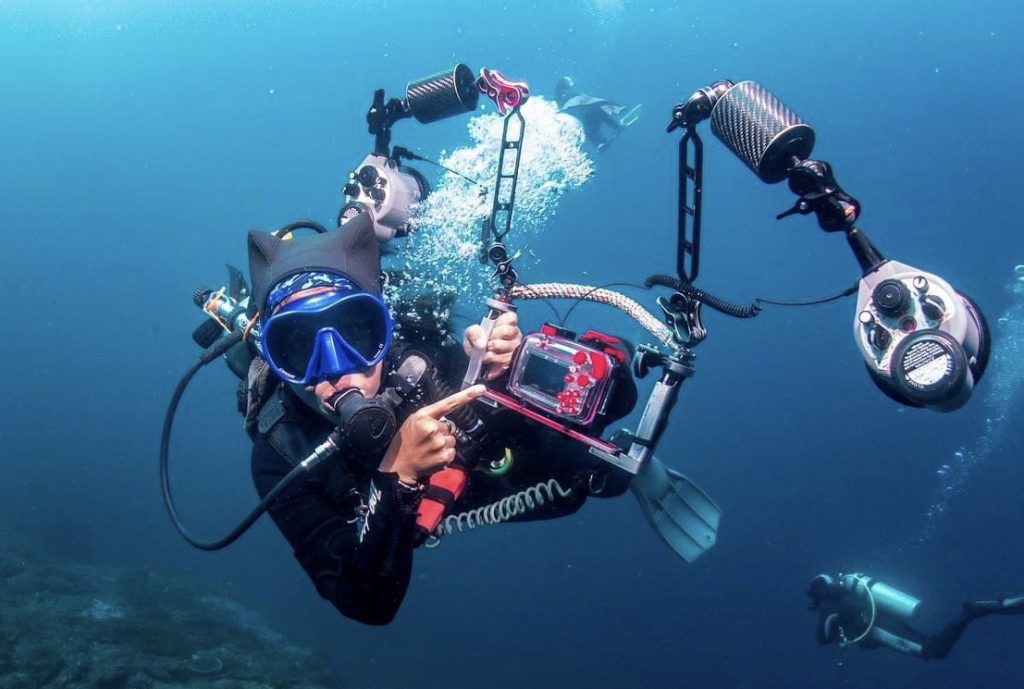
(139,140)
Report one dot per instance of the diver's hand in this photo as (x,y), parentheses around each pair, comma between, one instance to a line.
(501,345)
(424,443)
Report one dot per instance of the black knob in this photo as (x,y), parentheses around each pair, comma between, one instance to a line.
(368,176)
(200,296)
(891,297)
(497,253)
(880,338)
(933,307)
(351,190)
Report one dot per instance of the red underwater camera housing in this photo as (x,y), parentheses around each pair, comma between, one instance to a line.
(575,386)
(564,378)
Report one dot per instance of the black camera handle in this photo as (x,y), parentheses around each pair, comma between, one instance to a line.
(499,223)
(510,95)
(691,175)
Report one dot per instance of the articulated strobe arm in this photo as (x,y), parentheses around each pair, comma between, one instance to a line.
(676,368)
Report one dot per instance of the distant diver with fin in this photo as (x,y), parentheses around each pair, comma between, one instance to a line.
(603,120)
(857,610)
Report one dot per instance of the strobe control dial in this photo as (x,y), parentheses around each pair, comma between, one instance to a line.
(891,298)
(924,343)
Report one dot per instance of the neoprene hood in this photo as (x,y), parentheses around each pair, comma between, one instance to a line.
(352,252)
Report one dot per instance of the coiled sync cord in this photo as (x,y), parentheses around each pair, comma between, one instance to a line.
(720,305)
(501,511)
(735,310)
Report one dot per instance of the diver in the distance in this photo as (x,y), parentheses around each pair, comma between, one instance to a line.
(854,609)
(602,119)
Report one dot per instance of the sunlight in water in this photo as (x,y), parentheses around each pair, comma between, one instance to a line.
(440,260)
(1002,385)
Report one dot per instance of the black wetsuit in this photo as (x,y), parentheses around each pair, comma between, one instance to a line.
(600,117)
(352,528)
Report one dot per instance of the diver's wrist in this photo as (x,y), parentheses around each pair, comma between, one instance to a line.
(413,485)
(406,478)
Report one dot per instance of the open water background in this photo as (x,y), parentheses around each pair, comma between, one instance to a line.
(139,140)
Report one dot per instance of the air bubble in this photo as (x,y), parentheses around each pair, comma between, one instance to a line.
(1002,384)
(440,260)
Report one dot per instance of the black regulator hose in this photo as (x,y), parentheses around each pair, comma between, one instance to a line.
(215,350)
(300,225)
(700,295)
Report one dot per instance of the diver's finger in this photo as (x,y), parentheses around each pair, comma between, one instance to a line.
(498,360)
(452,402)
(504,333)
(427,426)
(496,371)
(474,338)
(500,348)
(507,318)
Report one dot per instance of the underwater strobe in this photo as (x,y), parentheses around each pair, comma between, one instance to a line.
(924,343)
(380,182)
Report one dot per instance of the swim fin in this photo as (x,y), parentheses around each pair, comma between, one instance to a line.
(1004,606)
(677,509)
(631,116)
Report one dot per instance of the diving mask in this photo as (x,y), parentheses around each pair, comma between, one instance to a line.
(326,335)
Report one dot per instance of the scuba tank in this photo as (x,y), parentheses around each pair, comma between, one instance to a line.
(891,612)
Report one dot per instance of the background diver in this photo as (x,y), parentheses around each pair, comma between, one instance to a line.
(854,609)
(602,119)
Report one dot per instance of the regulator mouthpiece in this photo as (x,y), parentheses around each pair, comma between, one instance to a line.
(367,425)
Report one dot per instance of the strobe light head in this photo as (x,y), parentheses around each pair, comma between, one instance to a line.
(762,132)
(388,190)
(925,344)
(441,95)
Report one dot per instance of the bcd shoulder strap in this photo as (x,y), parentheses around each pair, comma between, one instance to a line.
(260,384)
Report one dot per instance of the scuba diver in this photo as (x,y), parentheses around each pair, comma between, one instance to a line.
(602,119)
(361,453)
(854,609)
(330,359)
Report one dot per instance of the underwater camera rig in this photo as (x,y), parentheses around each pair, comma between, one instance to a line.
(924,343)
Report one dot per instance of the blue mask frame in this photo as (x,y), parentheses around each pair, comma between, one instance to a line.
(332,354)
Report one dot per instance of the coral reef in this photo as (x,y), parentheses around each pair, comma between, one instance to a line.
(64,625)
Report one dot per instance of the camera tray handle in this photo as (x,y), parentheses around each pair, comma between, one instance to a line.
(474,371)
